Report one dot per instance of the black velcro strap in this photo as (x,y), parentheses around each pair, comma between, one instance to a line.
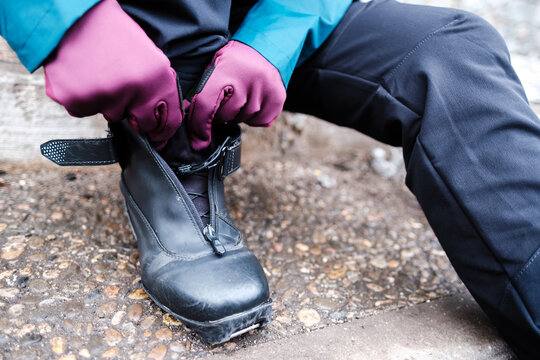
(231,159)
(83,152)
(226,158)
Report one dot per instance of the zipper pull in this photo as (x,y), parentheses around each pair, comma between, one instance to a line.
(210,235)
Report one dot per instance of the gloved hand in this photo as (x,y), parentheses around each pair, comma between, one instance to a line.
(242,87)
(106,64)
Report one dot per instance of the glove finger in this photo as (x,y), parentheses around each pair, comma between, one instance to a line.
(234,110)
(202,112)
(169,120)
(271,108)
(157,112)
(173,119)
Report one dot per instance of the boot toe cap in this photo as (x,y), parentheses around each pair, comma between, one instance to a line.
(210,288)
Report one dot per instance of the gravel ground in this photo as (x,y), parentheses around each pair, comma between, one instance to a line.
(337,242)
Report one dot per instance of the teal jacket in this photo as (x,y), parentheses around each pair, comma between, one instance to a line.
(285,32)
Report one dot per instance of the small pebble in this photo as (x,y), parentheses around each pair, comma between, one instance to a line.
(9,293)
(134,312)
(112,291)
(37,257)
(111,353)
(383,302)
(337,273)
(58,345)
(138,294)
(38,285)
(57,215)
(374,287)
(367,243)
(107,308)
(302,247)
(164,334)
(378,263)
(112,337)
(51,274)
(24,207)
(25,330)
(308,317)
(16,310)
(12,250)
(277,246)
(85,353)
(68,357)
(170,320)
(158,352)
(326,181)
(325,304)
(117,318)
(148,322)
(6,273)
(313,289)
(35,242)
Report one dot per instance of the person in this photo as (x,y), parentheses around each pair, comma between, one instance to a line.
(436,81)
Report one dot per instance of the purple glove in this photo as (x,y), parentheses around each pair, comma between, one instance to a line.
(106,64)
(243,87)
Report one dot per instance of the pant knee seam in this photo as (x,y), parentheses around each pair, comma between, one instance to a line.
(515,278)
(527,265)
(511,285)
(418,46)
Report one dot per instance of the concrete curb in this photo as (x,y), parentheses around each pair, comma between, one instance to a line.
(450,328)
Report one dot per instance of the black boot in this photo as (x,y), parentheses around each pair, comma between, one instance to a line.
(194,264)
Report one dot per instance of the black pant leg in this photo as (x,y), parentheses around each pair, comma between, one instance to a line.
(439,83)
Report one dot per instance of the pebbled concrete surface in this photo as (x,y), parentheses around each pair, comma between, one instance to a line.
(337,241)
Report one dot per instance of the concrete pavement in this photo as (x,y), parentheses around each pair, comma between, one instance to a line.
(449,328)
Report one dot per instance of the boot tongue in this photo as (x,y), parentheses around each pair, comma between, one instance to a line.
(176,153)
(196,186)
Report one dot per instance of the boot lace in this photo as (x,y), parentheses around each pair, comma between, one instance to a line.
(204,195)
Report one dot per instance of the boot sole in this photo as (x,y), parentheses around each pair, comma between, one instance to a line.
(221,330)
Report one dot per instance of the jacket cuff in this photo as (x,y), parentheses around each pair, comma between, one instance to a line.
(49,30)
(261,42)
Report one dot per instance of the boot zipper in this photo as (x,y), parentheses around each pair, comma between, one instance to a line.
(210,229)
(210,235)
